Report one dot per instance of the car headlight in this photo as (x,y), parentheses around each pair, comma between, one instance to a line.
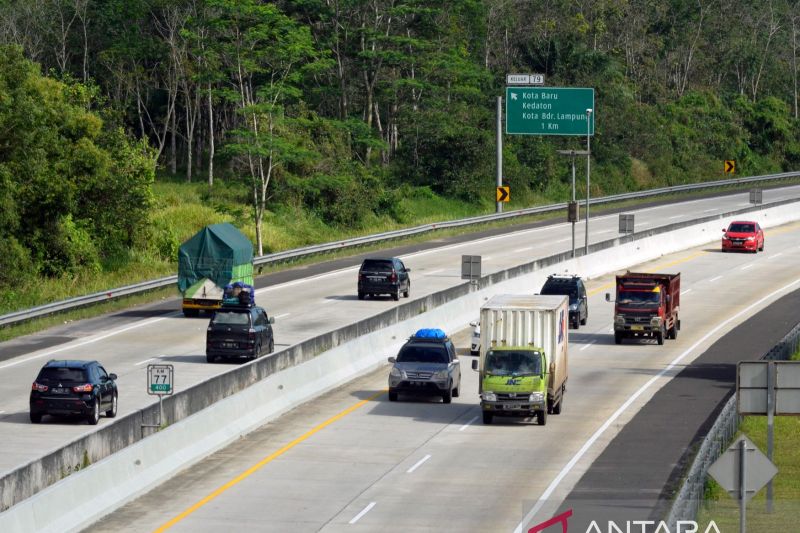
(573,307)
(489,396)
(397,373)
(619,319)
(440,375)
(751,238)
(655,321)
(537,397)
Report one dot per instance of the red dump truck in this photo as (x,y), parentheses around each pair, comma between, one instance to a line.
(647,305)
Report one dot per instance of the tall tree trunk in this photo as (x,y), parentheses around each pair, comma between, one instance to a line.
(210,138)
(173,149)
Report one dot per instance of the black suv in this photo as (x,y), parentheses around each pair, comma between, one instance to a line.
(573,287)
(383,276)
(239,330)
(74,388)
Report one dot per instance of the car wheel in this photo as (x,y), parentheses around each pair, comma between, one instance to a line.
(361,295)
(447,397)
(257,351)
(271,346)
(36,418)
(541,417)
(584,319)
(617,338)
(94,416)
(392,396)
(396,294)
(487,417)
(762,246)
(407,292)
(111,413)
(457,390)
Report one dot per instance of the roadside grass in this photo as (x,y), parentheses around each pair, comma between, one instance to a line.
(183,208)
(724,510)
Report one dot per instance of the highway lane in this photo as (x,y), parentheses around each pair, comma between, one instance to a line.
(424,466)
(305,307)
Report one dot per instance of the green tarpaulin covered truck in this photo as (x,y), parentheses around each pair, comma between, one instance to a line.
(215,256)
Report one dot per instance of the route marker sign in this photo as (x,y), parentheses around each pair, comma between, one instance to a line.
(730,166)
(549,111)
(524,79)
(503,193)
(160,379)
(471,267)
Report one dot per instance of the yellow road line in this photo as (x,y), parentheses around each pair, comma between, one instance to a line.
(253,469)
(656,268)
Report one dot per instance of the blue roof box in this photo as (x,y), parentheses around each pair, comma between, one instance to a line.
(430,333)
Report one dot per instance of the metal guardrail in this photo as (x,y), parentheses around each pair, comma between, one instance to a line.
(277,257)
(690,497)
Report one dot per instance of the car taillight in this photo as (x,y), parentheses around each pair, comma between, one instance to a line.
(87,387)
(251,336)
(394,276)
(38,387)
(361,276)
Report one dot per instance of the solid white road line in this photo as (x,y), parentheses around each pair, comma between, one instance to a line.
(563,240)
(518,250)
(675,216)
(432,272)
(418,464)
(776,255)
(710,210)
(465,426)
(583,348)
(283,315)
(604,231)
(714,279)
(686,291)
(366,509)
(622,408)
(146,360)
(89,341)
(751,265)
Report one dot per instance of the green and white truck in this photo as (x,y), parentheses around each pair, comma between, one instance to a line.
(214,257)
(523,356)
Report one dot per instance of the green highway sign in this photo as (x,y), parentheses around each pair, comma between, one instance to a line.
(549,111)
(160,387)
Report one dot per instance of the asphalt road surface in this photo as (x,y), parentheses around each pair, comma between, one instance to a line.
(353,461)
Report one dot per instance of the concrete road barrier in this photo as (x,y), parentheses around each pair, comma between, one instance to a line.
(118,464)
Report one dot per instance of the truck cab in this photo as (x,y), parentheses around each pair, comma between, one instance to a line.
(646,306)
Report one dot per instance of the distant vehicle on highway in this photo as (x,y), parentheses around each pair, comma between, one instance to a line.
(426,365)
(73,388)
(647,305)
(475,342)
(383,276)
(743,235)
(574,288)
(239,329)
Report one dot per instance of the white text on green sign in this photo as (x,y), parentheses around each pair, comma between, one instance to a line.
(549,111)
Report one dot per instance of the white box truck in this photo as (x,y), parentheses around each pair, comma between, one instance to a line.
(523,356)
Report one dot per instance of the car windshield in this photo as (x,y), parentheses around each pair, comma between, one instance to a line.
(423,354)
(231,318)
(565,290)
(374,265)
(513,363)
(62,374)
(741,228)
(642,298)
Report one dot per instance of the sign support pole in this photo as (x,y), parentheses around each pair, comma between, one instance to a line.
(588,164)
(499,206)
(742,487)
(770,424)
(573,201)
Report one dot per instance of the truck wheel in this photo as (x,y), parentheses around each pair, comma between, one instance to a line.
(617,338)
(541,417)
(191,313)
(392,396)
(660,337)
(673,332)
(447,397)
(36,418)
(487,417)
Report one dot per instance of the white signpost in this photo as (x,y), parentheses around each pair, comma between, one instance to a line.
(160,382)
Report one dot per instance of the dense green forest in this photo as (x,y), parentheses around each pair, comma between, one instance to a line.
(340,111)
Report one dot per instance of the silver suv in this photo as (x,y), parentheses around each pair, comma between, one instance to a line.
(426,366)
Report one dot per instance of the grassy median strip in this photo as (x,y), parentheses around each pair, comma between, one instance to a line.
(785,516)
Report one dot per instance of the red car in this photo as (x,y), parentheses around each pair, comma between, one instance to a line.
(743,235)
